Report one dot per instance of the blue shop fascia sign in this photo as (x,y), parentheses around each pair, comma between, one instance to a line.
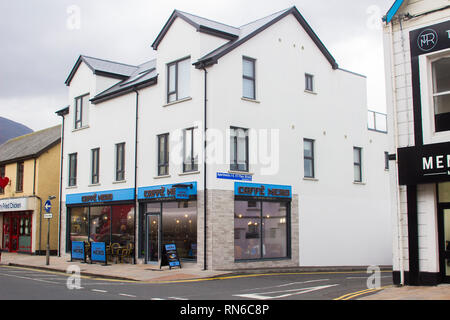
(262,191)
(175,191)
(100,197)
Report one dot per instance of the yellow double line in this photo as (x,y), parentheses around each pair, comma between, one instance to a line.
(352,295)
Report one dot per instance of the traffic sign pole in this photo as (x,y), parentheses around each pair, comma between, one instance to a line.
(48,208)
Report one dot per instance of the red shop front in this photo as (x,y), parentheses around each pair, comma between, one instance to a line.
(17,231)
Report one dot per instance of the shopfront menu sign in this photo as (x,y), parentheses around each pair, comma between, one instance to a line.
(257,190)
(78,251)
(424,164)
(170,256)
(177,191)
(101,196)
(98,252)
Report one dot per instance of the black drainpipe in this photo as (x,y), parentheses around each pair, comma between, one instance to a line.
(205,202)
(135,173)
(40,206)
(60,184)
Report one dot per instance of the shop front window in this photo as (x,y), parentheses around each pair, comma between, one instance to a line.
(79,224)
(122,227)
(179,226)
(100,224)
(260,230)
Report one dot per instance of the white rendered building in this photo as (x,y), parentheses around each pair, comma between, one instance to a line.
(292,176)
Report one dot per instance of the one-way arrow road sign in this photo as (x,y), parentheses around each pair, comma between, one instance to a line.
(48,206)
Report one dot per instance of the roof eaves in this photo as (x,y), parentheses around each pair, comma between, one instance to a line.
(393,11)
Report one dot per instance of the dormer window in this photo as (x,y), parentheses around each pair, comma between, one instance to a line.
(178,80)
(81,111)
(441,94)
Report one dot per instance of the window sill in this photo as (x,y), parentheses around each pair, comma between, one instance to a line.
(359,183)
(188,173)
(250,100)
(120,181)
(311,92)
(79,129)
(241,172)
(178,101)
(310,179)
(162,177)
(95,185)
(71,187)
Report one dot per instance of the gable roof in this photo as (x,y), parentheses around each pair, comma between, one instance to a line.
(144,76)
(393,11)
(30,145)
(200,24)
(103,68)
(238,36)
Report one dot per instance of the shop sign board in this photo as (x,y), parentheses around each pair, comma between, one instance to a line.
(19,204)
(424,164)
(256,190)
(78,251)
(234,176)
(182,191)
(100,197)
(98,252)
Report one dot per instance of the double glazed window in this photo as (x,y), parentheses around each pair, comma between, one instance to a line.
(2,175)
(191,148)
(178,80)
(163,154)
(357,164)
(120,161)
(248,78)
(95,169)
(260,230)
(72,169)
(308,158)
(19,182)
(81,111)
(309,82)
(239,149)
(441,93)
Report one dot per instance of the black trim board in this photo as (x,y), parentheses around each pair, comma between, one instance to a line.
(425,278)
(413,235)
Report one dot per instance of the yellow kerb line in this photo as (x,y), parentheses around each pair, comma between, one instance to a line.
(351,295)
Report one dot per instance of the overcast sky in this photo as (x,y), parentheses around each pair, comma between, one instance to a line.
(40,41)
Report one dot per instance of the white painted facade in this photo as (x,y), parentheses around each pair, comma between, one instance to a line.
(400,108)
(341,222)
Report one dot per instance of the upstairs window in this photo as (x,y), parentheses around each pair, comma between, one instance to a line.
(163,154)
(191,148)
(357,164)
(248,78)
(309,82)
(441,94)
(95,170)
(81,111)
(178,80)
(72,170)
(120,161)
(19,182)
(308,157)
(239,149)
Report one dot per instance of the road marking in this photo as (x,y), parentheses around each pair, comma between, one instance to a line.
(156,299)
(127,295)
(177,298)
(285,285)
(97,290)
(285,293)
(351,295)
(28,278)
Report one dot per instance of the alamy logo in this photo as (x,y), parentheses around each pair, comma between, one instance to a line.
(427,40)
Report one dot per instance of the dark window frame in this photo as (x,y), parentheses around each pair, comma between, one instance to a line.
(175,91)
(251,78)
(358,164)
(72,181)
(2,175)
(163,163)
(441,120)
(386,160)
(95,166)
(234,166)
(193,164)
(308,158)
(19,176)
(288,204)
(309,82)
(78,114)
(120,159)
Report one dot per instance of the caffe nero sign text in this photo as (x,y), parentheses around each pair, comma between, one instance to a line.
(425,164)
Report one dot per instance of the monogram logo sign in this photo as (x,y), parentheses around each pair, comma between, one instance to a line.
(427,40)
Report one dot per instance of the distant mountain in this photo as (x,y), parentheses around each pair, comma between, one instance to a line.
(10,129)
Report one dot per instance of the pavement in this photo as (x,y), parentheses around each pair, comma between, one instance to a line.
(119,271)
(191,271)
